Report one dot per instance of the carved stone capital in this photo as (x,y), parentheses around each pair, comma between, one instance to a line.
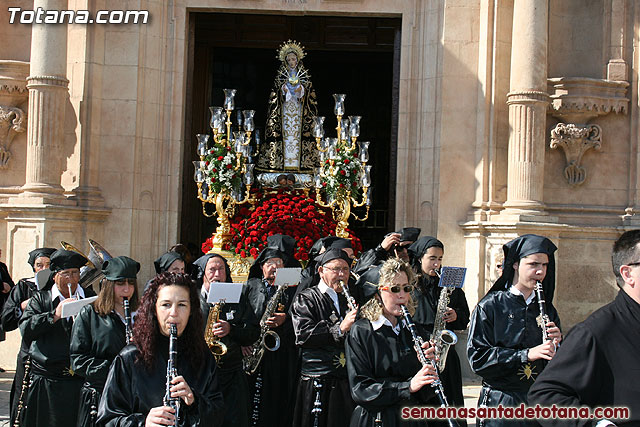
(12,121)
(575,140)
(527,96)
(13,78)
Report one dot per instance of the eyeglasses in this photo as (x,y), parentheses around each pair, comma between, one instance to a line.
(67,274)
(631,264)
(338,269)
(397,288)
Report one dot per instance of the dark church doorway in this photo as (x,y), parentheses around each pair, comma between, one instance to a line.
(356,56)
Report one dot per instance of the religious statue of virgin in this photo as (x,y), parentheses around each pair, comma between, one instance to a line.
(289,146)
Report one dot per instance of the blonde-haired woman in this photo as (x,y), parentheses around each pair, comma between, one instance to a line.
(384,371)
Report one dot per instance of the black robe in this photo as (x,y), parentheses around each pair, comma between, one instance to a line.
(275,380)
(95,341)
(503,328)
(4,277)
(54,390)
(11,313)
(316,323)
(233,382)
(131,390)
(380,366)
(371,258)
(596,365)
(426,296)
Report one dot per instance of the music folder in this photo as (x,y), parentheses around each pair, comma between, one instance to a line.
(288,276)
(229,292)
(452,277)
(41,278)
(72,308)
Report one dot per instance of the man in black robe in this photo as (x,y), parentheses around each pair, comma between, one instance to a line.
(597,364)
(505,345)
(52,398)
(321,319)
(426,258)
(393,245)
(15,305)
(273,384)
(237,326)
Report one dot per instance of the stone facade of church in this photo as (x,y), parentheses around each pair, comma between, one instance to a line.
(515,116)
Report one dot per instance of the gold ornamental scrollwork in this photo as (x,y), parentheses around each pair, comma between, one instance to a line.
(575,140)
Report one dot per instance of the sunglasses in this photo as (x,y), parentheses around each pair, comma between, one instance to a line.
(397,288)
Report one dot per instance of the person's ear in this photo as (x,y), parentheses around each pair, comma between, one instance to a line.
(516,265)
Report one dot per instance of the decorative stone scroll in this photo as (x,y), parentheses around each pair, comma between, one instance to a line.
(575,140)
(575,101)
(12,121)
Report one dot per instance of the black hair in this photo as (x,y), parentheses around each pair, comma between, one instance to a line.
(625,251)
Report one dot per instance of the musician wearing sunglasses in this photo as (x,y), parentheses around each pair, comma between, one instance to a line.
(99,333)
(52,396)
(16,303)
(383,368)
(321,319)
(135,390)
(426,259)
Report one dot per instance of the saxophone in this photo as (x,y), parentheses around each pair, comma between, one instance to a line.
(217,347)
(250,363)
(441,336)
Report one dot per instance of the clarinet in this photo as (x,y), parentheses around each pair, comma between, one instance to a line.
(544,317)
(317,404)
(127,320)
(173,402)
(418,342)
(351,302)
(26,380)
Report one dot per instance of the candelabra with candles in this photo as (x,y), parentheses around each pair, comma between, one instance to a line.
(343,174)
(225,165)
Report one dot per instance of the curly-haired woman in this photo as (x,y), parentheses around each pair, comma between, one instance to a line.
(134,391)
(384,371)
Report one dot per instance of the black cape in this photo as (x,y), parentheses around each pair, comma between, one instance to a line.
(316,323)
(53,383)
(131,391)
(96,340)
(233,382)
(503,328)
(380,365)
(276,374)
(596,365)
(426,296)
(11,313)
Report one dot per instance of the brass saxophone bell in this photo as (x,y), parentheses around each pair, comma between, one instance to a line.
(217,347)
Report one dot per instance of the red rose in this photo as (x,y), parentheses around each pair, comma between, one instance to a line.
(341,185)
(206,163)
(213,180)
(243,254)
(220,158)
(214,170)
(342,172)
(253,252)
(347,161)
(229,166)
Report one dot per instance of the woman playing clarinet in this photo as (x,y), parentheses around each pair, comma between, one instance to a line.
(138,379)
(384,371)
(99,333)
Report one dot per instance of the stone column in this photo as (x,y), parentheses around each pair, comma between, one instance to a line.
(528,101)
(48,94)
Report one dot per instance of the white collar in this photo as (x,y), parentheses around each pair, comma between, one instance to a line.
(55,293)
(516,291)
(381,321)
(325,289)
(204,292)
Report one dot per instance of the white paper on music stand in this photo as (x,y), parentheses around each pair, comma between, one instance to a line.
(41,277)
(72,308)
(288,276)
(229,292)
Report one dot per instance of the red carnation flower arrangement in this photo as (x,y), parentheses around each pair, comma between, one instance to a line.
(282,212)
